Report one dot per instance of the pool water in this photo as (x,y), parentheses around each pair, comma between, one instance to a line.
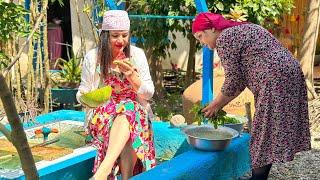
(69,137)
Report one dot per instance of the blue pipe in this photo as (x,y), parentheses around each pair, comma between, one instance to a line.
(207,62)
(147,16)
(201,5)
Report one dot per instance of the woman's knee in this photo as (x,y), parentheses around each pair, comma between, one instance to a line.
(121,119)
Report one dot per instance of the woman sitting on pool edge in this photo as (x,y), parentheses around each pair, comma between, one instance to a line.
(121,128)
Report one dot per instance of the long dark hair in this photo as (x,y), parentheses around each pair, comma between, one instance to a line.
(105,53)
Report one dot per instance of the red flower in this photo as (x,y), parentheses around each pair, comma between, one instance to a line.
(286,31)
(298,17)
(174,66)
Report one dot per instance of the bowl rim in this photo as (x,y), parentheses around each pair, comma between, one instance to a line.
(234,133)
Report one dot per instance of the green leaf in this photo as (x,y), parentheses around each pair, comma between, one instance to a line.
(255,7)
(220,6)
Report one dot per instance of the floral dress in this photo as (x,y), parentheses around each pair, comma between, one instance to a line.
(123,101)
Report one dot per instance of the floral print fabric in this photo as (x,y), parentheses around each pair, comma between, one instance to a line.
(123,102)
(253,58)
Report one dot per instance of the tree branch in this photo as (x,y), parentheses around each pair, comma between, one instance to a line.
(18,136)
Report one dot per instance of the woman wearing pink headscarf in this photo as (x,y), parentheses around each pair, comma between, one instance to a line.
(252,57)
(120,128)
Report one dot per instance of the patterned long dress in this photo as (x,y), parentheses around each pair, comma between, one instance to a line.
(253,58)
(123,101)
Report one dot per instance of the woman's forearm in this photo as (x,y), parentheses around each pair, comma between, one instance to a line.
(222,100)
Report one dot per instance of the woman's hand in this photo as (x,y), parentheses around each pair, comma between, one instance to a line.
(218,103)
(129,71)
(124,66)
(211,110)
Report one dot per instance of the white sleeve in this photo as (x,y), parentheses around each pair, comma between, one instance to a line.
(86,78)
(146,89)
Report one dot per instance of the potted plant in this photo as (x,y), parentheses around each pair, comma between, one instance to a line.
(70,74)
(65,82)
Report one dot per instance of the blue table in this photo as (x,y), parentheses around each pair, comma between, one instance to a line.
(189,163)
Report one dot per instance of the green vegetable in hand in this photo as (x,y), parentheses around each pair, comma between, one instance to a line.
(218,119)
(221,117)
(198,115)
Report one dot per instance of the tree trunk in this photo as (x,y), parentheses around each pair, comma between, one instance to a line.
(190,76)
(92,27)
(38,73)
(30,73)
(47,83)
(156,74)
(18,136)
(17,71)
(309,40)
(83,48)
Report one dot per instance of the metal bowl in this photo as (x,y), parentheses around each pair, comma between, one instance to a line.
(239,126)
(206,138)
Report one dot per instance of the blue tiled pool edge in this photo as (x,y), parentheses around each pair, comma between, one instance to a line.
(186,164)
(53,171)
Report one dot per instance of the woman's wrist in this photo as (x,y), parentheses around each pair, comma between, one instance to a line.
(129,73)
(134,80)
(133,75)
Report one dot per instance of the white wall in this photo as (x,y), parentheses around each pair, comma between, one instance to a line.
(180,55)
(86,27)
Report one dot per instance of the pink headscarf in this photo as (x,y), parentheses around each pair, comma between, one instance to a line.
(207,20)
(115,20)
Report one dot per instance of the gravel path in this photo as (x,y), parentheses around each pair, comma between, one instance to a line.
(306,165)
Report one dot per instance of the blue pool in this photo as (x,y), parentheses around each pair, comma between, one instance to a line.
(177,159)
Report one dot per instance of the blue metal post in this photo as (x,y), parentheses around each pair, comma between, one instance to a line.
(111,4)
(207,62)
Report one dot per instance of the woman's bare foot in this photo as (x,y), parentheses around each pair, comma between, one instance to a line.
(101,174)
